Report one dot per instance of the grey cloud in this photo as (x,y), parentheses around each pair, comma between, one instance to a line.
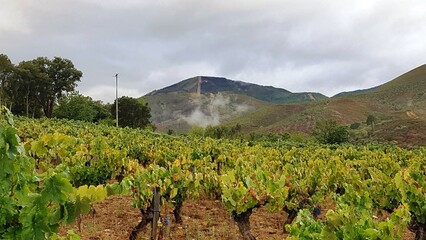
(326,46)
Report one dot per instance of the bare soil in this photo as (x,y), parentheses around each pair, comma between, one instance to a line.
(115,217)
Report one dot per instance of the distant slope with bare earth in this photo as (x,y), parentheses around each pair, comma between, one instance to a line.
(399,106)
(206,101)
(180,111)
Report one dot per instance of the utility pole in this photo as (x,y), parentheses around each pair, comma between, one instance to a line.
(116,99)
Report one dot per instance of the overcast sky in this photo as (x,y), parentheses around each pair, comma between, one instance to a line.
(325,46)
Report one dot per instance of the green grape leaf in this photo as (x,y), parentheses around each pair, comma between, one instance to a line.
(38,148)
(33,219)
(2,140)
(57,215)
(57,188)
(71,212)
(82,206)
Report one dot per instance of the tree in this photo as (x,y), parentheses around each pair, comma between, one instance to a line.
(371,121)
(102,111)
(222,131)
(26,94)
(6,72)
(36,84)
(62,77)
(78,107)
(132,112)
(330,132)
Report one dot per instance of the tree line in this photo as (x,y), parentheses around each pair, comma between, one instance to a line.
(45,87)
(32,87)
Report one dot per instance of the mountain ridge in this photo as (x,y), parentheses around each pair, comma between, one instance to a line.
(208,85)
(399,106)
(354,92)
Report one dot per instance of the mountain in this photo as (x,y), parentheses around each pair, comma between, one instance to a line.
(207,101)
(214,85)
(398,105)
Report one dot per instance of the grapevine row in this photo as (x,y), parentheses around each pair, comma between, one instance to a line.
(359,180)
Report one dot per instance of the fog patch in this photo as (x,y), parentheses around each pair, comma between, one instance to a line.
(242,108)
(199,118)
(210,110)
(219,101)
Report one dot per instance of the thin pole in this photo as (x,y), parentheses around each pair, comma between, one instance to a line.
(116,100)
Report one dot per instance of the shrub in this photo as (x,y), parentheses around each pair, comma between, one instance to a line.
(330,132)
(355,125)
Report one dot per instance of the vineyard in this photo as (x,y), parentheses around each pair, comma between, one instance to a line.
(53,172)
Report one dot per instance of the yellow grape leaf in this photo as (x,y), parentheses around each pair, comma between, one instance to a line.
(98,193)
(38,148)
(173,193)
(93,193)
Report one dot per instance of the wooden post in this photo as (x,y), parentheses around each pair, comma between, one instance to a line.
(156,202)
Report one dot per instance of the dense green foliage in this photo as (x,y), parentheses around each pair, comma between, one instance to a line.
(78,107)
(217,132)
(29,210)
(330,132)
(132,112)
(45,86)
(33,205)
(371,119)
(6,73)
(32,86)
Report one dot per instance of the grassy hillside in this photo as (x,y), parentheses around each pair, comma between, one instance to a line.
(399,107)
(407,91)
(356,92)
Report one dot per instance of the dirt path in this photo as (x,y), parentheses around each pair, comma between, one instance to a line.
(411,114)
(203,219)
